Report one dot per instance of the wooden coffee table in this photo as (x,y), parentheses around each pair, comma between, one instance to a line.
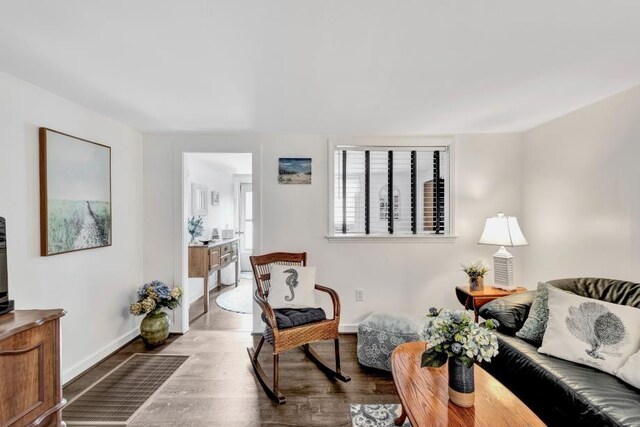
(425,397)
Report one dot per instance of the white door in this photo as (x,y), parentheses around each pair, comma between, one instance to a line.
(246,226)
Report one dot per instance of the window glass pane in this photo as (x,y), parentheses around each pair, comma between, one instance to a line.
(248,205)
(402,192)
(378,192)
(349,211)
(248,235)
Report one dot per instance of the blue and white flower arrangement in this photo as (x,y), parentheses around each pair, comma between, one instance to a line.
(155,295)
(453,333)
(195,227)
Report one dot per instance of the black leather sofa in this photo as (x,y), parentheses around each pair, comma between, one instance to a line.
(562,393)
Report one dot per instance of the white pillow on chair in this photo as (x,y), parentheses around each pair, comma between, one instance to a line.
(292,286)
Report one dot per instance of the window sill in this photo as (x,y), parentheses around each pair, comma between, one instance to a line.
(390,238)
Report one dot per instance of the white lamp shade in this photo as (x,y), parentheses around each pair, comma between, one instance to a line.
(502,231)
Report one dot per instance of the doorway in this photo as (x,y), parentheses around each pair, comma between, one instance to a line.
(218,217)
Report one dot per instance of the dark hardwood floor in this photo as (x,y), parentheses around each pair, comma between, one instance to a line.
(216,386)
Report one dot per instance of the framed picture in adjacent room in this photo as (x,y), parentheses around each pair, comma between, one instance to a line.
(215,198)
(294,170)
(75,193)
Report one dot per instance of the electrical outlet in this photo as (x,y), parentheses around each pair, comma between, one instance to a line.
(359,294)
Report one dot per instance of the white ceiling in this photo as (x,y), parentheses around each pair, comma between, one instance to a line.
(325,66)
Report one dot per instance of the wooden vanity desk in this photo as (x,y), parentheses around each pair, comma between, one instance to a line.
(206,259)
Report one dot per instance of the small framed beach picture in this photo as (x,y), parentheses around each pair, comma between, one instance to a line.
(75,193)
(294,170)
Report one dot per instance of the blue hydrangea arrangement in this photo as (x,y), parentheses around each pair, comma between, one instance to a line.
(453,333)
(155,295)
(195,227)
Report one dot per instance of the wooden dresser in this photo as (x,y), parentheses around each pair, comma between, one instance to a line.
(30,387)
(206,259)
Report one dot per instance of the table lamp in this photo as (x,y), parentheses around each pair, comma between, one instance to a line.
(503,231)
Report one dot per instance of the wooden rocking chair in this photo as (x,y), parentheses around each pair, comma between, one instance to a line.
(299,336)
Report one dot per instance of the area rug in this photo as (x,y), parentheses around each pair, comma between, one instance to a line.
(375,415)
(238,300)
(118,396)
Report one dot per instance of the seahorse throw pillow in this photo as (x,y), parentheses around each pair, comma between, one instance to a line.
(292,286)
(590,332)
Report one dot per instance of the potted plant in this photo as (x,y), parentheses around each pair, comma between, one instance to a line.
(152,297)
(453,336)
(195,228)
(475,271)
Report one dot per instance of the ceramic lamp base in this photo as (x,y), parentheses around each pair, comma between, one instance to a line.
(503,267)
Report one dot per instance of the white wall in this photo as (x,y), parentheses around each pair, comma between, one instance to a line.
(94,286)
(581,195)
(407,276)
(220,216)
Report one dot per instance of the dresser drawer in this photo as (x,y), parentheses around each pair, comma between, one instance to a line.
(225,249)
(27,375)
(225,260)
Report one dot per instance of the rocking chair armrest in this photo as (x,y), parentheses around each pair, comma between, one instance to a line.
(268,312)
(335,299)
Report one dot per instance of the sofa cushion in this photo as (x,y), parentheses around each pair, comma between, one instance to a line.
(591,332)
(563,392)
(630,371)
(291,317)
(536,323)
(609,290)
(510,311)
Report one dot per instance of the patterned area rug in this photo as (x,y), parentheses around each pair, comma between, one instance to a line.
(238,300)
(375,415)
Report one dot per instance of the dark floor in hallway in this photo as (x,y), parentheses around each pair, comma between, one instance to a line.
(216,387)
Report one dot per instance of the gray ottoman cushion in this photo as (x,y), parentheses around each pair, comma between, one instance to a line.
(380,333)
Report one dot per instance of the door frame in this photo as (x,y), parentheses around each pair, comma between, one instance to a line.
(206,144)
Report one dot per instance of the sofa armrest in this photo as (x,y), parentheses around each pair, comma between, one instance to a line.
(510,311)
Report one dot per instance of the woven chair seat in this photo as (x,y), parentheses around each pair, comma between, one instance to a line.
(291,317)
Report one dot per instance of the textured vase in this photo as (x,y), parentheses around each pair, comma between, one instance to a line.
(461,386)
(154,328)
(476,283)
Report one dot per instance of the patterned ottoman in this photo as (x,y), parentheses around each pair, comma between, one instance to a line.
(380,333)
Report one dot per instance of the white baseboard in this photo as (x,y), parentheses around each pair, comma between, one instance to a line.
(350,328)
(77,369)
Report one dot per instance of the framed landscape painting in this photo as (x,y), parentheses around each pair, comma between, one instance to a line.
(75,193)
(294,170)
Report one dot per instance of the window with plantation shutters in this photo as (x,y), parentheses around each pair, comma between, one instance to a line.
(390,191)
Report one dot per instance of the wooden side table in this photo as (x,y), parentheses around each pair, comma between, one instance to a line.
(473,300)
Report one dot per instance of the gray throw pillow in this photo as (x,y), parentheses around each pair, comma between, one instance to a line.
(536,323)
